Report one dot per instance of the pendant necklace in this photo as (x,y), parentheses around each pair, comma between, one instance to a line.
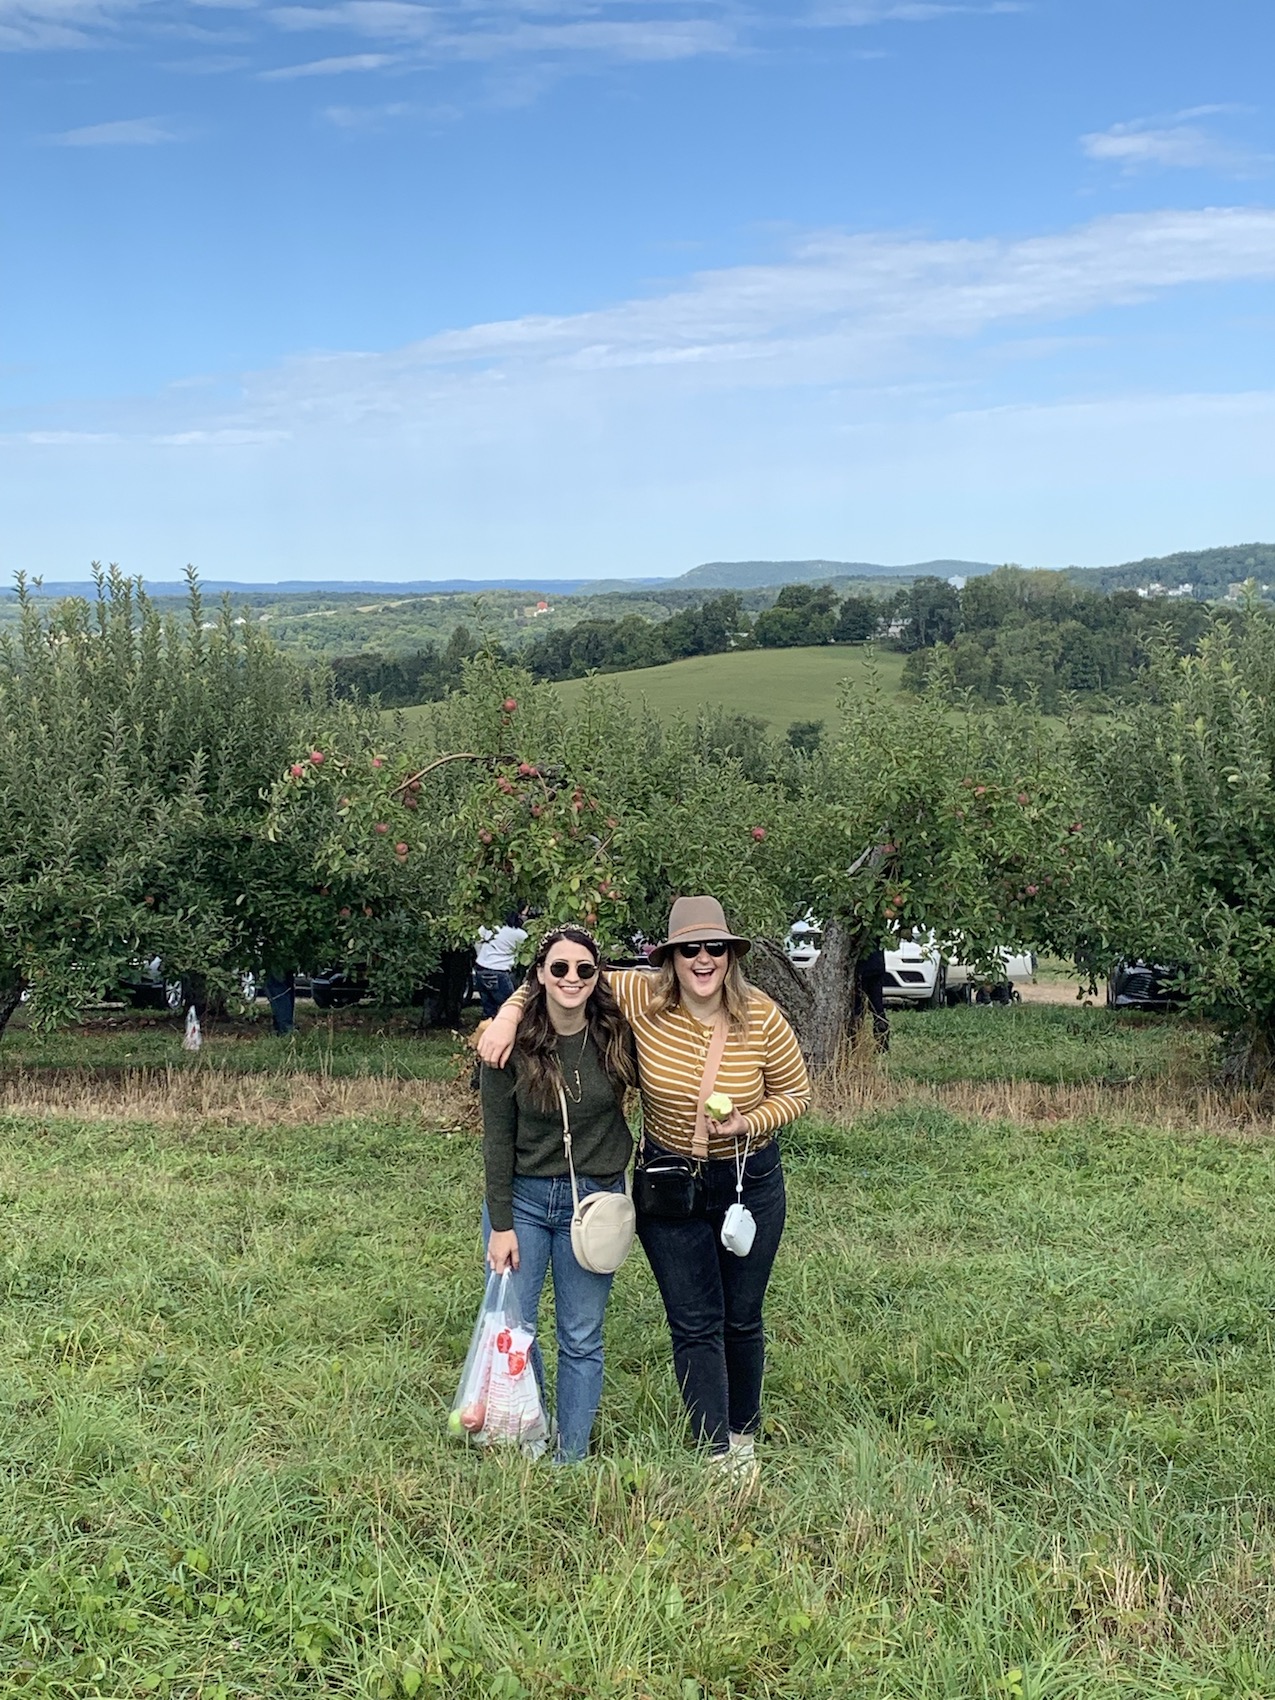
(579,1091)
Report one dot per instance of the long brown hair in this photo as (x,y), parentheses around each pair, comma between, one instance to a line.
(737,992)
(536,1050)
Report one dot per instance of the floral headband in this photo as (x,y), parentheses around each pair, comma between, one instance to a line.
(566,930)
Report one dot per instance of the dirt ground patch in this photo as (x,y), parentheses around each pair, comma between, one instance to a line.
(1058,991)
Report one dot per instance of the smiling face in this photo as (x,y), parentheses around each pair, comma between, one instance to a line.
(701,975)
(568,990)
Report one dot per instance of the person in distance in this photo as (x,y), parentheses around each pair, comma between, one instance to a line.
(573,1038)
(697,1016)
(497,948)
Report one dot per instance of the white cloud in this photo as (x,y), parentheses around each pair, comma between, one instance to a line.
(479,30)
(365,117)
(44,24)
(877,315)
(1177,142)
(857,14)
(120,133)
(329,67)
(508,32)
(839,310)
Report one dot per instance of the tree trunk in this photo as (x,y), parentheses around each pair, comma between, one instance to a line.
(12,986)
(455,968)
(826,1003)
(1248,1060)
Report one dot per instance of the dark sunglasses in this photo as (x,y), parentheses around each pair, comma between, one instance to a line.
(714,947)
(583,971)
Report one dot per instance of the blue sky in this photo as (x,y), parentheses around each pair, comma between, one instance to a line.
(386,289)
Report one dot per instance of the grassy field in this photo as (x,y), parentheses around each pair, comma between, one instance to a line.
(776,685)
(1020,1427)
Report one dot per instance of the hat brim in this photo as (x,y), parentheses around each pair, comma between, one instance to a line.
(697,935)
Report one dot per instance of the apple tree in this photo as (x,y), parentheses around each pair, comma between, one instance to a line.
(594,812)
(87,824)
(1181,866)
(929,816)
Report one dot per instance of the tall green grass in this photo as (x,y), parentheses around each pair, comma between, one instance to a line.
(1020,1420)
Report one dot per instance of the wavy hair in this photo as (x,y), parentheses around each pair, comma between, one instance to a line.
(737,992)
(536,1049)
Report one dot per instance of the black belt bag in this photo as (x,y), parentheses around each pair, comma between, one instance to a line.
(664,1185)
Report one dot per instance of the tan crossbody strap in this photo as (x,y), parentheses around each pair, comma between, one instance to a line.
(566,1140)
(566,1145)
(712,1062)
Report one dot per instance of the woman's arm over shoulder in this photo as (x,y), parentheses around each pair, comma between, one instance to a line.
(496,1037)
(783,1069)
(632,988)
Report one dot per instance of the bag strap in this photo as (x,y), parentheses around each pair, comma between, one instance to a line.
(566,1143)
(712,1062)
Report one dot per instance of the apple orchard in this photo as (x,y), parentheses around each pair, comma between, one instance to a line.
(198,796)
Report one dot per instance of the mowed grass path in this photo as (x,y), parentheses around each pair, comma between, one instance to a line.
(776,685)
(1020,1413)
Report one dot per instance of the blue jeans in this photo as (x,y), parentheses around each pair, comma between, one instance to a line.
(495,986)
(281,989)
(542,1220)
(713,1299)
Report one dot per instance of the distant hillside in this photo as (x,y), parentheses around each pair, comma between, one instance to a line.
(159,590)
(750,575)
(1209,572)
(777,686)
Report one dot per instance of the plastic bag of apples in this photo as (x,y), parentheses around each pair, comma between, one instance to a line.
(498,1400)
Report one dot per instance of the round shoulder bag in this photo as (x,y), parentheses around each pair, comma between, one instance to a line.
(602,1225)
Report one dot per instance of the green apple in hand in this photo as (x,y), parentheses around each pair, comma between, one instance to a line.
(718,1106)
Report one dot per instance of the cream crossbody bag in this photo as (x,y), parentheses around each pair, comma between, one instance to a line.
(602,1225)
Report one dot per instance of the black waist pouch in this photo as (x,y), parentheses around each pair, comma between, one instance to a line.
(664,1185)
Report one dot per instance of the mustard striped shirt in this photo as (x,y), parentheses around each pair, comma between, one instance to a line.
(762,1073)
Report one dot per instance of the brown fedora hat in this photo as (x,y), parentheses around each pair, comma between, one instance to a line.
(693,919)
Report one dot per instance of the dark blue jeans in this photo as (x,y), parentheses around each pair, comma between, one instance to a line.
(713,1299)
(495,985)
(281,989)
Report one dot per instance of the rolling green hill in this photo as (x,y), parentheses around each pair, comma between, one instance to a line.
(776,685)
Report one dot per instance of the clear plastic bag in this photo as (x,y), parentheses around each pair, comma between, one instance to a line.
(498,1400)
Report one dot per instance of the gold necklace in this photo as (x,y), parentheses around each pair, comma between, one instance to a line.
(575,1072)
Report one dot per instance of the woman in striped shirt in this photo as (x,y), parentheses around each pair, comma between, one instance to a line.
(713,1297)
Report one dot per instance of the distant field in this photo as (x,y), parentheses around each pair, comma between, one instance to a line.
(777,685)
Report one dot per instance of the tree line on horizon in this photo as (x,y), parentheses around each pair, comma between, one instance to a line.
(1012,633)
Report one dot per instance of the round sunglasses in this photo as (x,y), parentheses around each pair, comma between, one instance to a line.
(581,970)
(714,947)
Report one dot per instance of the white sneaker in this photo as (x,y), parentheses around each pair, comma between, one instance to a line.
(739,1465)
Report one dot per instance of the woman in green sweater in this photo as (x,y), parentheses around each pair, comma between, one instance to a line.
(572,1037)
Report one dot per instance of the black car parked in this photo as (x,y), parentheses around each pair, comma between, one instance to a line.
(1146,985)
